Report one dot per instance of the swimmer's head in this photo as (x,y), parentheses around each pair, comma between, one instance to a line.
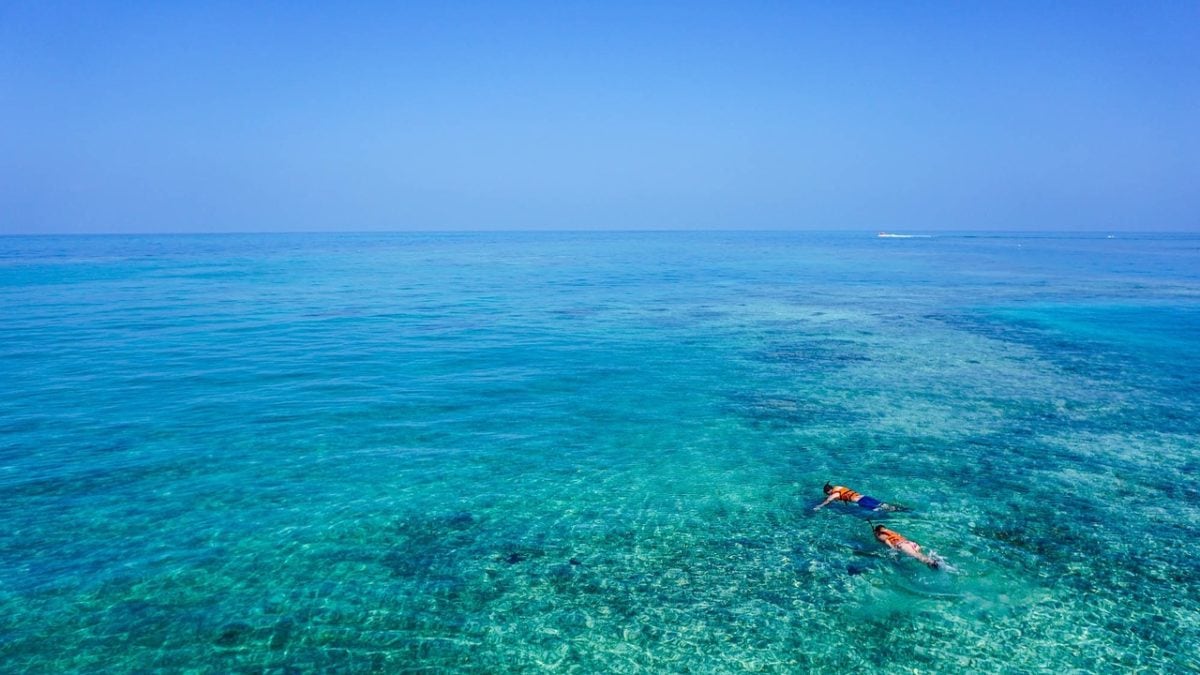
(828,488)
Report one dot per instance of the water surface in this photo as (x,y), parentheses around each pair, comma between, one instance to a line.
(598,452)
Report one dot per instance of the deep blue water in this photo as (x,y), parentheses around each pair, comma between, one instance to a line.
(598,452)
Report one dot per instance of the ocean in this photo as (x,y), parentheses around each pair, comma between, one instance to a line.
(598,452)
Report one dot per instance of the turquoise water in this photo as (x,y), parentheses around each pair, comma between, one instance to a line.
(598,452)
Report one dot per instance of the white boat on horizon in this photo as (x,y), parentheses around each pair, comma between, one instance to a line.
(893,235)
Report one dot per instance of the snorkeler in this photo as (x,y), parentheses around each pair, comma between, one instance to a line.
(845,494)
(896,541)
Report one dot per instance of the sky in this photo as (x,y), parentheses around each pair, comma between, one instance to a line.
(298,116)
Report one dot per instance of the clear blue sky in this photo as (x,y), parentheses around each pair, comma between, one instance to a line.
(258,116)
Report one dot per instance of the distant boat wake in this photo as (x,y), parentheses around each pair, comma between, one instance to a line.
(892,235)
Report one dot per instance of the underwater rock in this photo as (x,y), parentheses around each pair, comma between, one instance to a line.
(281,635)
(561,573)
(233,634)
(460,520)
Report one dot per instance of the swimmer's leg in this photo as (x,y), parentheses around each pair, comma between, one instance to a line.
(872,504)
(914,549)
(869,503)
(937,562)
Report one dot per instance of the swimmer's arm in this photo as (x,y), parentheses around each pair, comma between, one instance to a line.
(917,553)
(832,496)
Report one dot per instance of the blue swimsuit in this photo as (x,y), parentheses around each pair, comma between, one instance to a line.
(869,503)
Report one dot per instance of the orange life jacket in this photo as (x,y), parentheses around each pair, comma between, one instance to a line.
(845,494)
(893,539)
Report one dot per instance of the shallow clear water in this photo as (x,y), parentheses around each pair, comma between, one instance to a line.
(598,452)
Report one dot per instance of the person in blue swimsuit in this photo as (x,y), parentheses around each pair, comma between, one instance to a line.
(845,494)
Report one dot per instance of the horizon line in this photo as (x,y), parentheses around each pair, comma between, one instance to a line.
(932,231)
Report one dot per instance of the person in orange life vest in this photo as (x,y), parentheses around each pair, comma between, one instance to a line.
(897,542)
(845,494)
